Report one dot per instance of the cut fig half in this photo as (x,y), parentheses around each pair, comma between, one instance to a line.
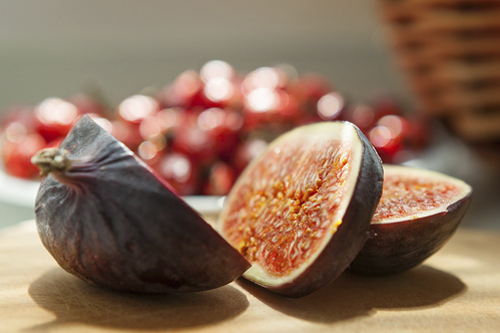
(418,213)
(301,211)
(107,218)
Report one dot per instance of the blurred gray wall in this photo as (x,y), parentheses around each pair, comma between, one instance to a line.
(53,47)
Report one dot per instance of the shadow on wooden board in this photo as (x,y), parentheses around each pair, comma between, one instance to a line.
(353,295)
(75,301)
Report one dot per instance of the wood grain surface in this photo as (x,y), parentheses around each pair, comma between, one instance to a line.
(457,290)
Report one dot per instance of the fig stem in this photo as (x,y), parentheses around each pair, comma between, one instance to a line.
(51,160)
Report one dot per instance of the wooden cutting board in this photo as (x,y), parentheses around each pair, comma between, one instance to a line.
(457,290)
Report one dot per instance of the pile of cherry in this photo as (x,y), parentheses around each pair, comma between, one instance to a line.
(200,131)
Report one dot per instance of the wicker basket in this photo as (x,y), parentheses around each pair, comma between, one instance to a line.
(450,51)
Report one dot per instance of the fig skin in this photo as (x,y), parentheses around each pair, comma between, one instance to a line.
(398,246)
(108,219)
(351,234)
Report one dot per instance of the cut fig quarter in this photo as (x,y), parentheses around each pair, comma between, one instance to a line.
(301,211)
(107,218)
(418,213)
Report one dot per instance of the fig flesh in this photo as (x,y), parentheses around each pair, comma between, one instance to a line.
(108,219)
(418,212)
(301,211)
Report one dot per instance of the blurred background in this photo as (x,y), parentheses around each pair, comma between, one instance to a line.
(52,48)
(55,48)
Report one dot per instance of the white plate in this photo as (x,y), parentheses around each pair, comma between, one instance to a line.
(17,191)
(23,193)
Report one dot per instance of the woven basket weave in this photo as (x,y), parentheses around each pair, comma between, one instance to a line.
(450,51)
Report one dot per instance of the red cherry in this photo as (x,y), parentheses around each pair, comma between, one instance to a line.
(266,100)
(361,115)
(315,85)
(220,92)
(171,118)
(288,111)
(187,90)
(220,84)
(264,77)
(308,89)
(171,121)
(179,171)
(385,145)
(217,69)
(22,114)
(192,91)
(17,153)
(223,127)
(246,152)
(150,151)
(330,106)
(261,108)
(150,128)
(135,108)
(55,117)
(387,136)
(196,143)
(126,133)
(16,131)
(398,126)
(220,179)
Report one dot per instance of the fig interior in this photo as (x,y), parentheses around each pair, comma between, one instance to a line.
(292,202)
(416,194)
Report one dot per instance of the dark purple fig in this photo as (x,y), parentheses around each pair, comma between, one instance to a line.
(301,211)
(418,212)
(108,219)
